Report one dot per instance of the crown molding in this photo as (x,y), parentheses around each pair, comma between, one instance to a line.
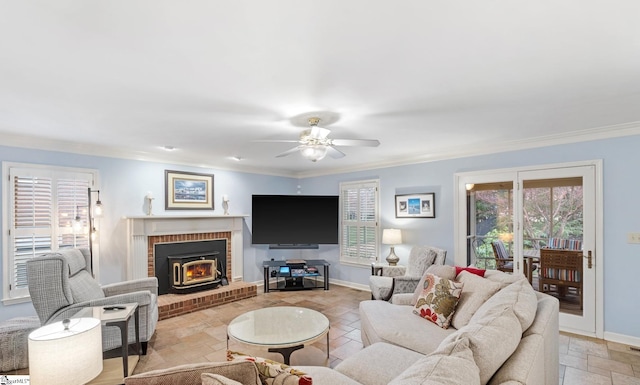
(46,144)
(597,133)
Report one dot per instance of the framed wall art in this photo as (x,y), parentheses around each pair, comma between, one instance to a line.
(188,191)
(416,206)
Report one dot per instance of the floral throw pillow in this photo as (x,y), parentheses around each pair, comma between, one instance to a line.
(438,299)
(272,372)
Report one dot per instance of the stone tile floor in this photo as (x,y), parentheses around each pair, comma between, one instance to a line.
(201,336)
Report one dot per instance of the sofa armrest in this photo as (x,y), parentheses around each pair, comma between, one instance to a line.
(244,372)
(150,284)
(402,299)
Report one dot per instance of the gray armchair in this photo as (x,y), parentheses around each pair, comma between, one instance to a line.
(404,279)
(61,284)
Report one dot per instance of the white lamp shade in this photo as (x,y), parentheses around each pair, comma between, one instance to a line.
(391,236)
(72,356)
(314,152)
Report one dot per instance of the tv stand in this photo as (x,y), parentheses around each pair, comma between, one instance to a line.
(296,277)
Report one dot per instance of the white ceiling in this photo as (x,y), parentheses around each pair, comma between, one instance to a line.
(427,78)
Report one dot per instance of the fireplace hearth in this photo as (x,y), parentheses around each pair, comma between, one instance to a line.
(148,235)
(193,272)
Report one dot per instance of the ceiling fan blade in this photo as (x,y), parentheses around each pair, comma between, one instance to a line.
(275,141)
(334,152)
(289,152)
(319,132)
(356,142)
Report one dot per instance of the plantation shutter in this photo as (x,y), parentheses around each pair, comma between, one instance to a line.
(43,206)
(359,222)
(72,201)
(32,224)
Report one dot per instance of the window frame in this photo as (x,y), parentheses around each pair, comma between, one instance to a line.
(10,293)
(373,225)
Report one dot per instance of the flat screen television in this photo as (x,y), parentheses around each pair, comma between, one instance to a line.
(294,220)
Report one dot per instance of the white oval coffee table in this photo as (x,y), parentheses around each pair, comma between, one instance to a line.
(281,329)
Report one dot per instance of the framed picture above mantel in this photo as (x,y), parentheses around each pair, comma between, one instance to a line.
(188,190)
(416,205)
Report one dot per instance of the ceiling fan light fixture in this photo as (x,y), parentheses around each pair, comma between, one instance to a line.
(314,152)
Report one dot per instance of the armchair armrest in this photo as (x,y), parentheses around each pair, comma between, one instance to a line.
(113,289)
(404,284)
(143,298)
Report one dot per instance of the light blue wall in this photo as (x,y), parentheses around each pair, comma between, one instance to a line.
(126,182)
(621,261)
(123,186)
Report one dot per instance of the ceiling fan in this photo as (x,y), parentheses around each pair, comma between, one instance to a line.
(314,143)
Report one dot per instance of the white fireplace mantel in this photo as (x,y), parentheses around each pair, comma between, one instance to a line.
(140,228)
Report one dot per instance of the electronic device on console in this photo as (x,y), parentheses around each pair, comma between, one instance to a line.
(285,271)
(297,263)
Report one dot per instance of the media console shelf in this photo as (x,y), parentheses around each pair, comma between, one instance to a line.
(296,276)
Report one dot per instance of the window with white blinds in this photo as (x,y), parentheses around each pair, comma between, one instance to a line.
(42,206)
(359,222)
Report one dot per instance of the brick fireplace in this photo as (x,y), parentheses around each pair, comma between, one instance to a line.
(180,240)
(145,232)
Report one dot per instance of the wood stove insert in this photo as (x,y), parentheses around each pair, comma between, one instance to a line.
(193,272)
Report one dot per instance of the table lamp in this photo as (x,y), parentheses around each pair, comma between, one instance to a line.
(66,353)
(392,237)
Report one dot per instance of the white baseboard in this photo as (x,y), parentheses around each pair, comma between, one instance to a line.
(622,339)
(351,285)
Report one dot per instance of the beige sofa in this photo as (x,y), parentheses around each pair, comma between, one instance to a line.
(512,336)
(503,332)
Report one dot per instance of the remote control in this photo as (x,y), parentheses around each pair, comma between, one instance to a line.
(114,308)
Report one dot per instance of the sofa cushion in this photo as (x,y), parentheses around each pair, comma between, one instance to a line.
(216,379)
(451,364)
(492,339)
(273,372)
(470,269)
(438,300)
(519,296)
(477,290)
(379,363)
(381,321)
(323,375)
(443,271)
(505,279)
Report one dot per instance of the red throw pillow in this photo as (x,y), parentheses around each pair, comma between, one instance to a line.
(473,270)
